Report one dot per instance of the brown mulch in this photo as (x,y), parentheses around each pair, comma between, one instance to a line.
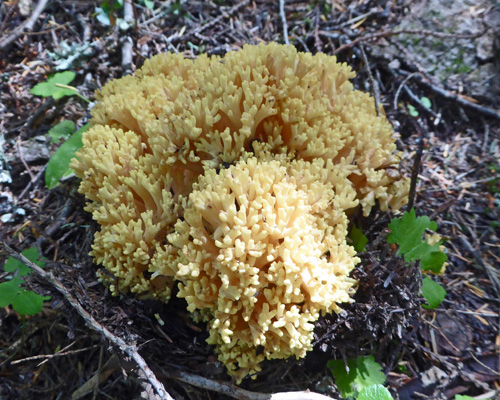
(439,353)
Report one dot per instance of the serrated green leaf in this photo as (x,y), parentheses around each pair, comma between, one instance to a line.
(58,165)
(426,102)
(370,372)
(407,233)
(363,372)
(433,259)
(343,379)
(50,88)
(375,392)
(28,303)
(12,265)
(433,292)
(8,291)
(61,131)
(359,240)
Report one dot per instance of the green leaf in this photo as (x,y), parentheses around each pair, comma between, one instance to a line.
(433,292)
(58,165)
(50,88)
(25,302)
(375,392)
(28,303)
(8,291)
(413,112)
(426,102)
(433,259)
(358,238)
(61,131)
(12,265)
(407,233)
(149,4)
(363,372)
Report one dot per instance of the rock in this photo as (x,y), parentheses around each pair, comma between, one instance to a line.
(485,47)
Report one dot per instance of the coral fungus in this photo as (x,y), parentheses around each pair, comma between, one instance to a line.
(235,177)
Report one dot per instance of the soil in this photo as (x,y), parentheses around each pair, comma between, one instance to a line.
(408,54)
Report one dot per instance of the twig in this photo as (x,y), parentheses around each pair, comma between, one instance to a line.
(49,356)
(317,41)
(466,103)
(224,14)
(413,97)
(416,167)
(398,92)
(283,21)
(238,393)
(31,182)
(374,83)
(26,26)
(19,150)
(98,374)
(127,42)
(490,270)
(130,350)
(391,32)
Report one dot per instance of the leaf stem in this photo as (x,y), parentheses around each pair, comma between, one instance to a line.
(77,93)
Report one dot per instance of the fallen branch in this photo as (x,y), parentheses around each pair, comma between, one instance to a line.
(127,42)
(392,32)
(416,166)
(283,21)
(238,393)
(25,26)
(374,83)
(224,14)
(130,350)
(455,97)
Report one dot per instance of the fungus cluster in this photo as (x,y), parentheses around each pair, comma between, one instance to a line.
(234,177)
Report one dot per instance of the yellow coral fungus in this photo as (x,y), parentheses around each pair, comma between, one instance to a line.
(235,176)
(262,249)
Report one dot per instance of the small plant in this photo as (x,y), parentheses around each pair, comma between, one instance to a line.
(25,302)
(408,233)
(358,238)
(57,87)
(362,378)
(61,131)
(424,101)
(58,165)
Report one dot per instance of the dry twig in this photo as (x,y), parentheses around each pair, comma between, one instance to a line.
(283,21)
(459,99)
(241,394)
(198,30)
(26,26)
(130,350)
(374,83)
(127,42)
(392,32)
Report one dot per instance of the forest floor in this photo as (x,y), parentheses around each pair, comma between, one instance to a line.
(433,65)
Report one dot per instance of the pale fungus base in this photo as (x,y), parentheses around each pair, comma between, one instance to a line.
(234,176)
